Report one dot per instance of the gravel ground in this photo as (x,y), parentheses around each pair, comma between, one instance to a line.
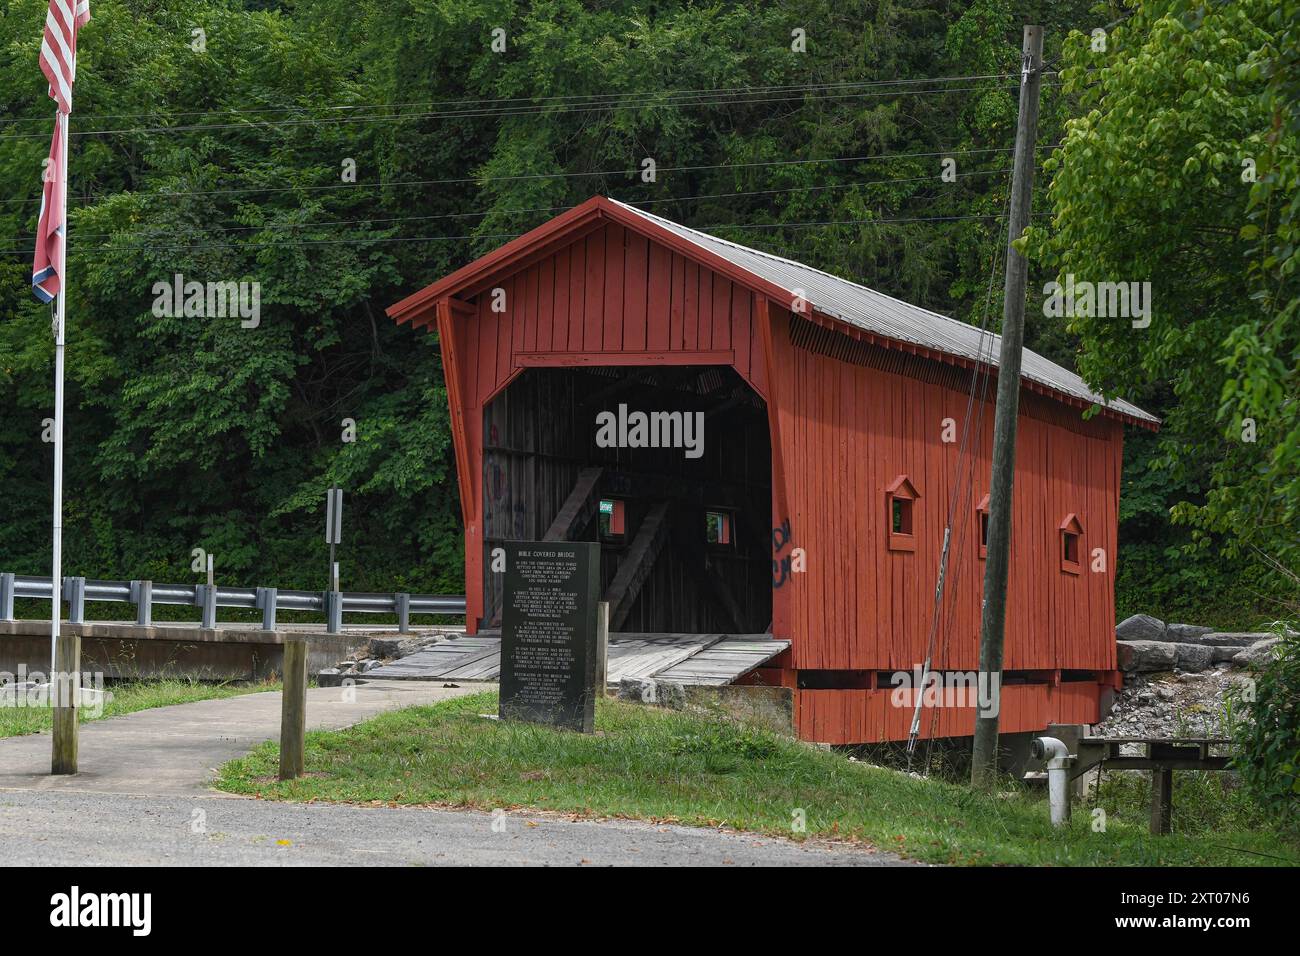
(1171,704)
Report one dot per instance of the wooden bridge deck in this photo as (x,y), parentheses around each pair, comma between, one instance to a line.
(683,658)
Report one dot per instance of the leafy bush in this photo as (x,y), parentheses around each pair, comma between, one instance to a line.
(1204,802)
(725,741)
(1267,752)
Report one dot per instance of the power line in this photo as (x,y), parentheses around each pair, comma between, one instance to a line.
(840,222)
(75,250)
(460,114)
(586,98)
(369,221)
(564,175)
(494,112)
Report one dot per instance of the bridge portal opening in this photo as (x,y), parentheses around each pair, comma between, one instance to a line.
(668,467)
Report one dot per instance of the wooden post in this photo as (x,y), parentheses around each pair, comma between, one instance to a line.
(984,757)
(63,699)
(602,648)
(1162,801)
(293,709)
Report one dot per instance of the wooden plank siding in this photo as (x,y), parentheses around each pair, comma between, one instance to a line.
(854,427)
(873,716)
(608,298)
(847,416)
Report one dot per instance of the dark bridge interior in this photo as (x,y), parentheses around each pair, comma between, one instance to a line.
(684,541)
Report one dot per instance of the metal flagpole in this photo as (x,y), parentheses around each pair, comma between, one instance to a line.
(60,328)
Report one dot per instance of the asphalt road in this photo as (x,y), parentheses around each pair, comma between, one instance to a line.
(80,828)
(143,796)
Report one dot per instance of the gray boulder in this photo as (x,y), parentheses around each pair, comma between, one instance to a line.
(1223,652)
(647,691)
(1141,627)
(1223,639)
(1145,655)
(329,677)
(670,694)
(390,648)
(1193,657)
(1187,633)
(386,648)
(636,690)
(1258,653)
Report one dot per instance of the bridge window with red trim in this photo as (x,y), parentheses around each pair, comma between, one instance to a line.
(1071,544)
(900,502)
(982,516)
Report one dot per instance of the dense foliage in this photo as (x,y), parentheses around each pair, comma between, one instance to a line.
(1181,170)
(1267,737)
(227,159)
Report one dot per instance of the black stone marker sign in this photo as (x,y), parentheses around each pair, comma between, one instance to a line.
(548,633)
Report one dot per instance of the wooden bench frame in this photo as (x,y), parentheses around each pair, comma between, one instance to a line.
(1162,756)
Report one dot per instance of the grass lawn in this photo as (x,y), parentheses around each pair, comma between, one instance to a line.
(667,766)
(127,698)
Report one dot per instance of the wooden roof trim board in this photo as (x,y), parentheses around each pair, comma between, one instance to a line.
(416,305)
(902,487)
(846,306)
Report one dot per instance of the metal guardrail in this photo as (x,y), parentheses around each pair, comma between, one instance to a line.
(145,594)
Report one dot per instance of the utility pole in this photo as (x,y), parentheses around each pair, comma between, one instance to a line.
(984,758)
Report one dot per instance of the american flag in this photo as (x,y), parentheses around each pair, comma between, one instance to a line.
(59,64)
(59,48)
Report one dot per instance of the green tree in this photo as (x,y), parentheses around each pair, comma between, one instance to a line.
(1180,171)
(229,163)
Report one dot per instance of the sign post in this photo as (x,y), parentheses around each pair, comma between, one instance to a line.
(333,532)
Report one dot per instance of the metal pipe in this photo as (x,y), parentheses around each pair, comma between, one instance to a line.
(60,333)
(1058,760)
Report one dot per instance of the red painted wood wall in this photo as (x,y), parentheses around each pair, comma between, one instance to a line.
(872,716)
(855,428)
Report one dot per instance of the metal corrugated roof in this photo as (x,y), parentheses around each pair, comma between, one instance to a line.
(873,311)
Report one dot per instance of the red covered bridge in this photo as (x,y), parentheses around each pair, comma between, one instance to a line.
(831,453)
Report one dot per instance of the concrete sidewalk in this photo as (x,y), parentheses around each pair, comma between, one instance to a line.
(177,750)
